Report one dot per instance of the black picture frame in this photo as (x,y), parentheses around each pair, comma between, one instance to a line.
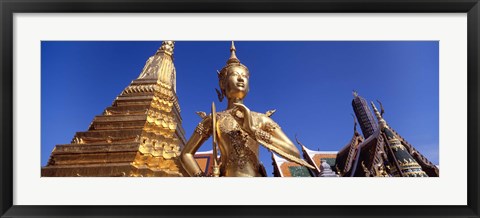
(9,7)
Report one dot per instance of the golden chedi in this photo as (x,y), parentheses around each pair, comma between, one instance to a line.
(140,134)
(237,131)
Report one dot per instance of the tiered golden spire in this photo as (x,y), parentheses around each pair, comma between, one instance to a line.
(167,47)
(141,134)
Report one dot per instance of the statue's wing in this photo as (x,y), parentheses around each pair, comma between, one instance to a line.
(270,112)
(220,95)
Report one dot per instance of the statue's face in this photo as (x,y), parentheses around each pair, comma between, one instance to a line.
(236,84)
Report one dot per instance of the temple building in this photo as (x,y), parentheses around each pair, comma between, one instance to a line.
(323,161)
(140,134)
(381,151)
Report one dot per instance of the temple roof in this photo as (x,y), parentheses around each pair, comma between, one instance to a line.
(346,156)
(315,157)
(383,153)
(285,168)
(427,166)
(205,161)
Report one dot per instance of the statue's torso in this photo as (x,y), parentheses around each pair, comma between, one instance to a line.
(239,151)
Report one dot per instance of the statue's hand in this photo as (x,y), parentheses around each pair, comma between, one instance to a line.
(246,122)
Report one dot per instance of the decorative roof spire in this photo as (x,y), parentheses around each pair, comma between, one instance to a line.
(167,47)
(233,57)
(364,115)
(354,123)
(380,119)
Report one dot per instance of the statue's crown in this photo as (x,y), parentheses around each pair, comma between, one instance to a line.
(233,61)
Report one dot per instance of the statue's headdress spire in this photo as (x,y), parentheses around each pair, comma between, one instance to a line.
(233,57)
(233,60)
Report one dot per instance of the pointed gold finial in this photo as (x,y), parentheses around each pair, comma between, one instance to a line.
(380,119)
(167,47)
(233,57)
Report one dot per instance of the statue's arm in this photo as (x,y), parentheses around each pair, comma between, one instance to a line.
(271,132)
(200,135)
(266,132)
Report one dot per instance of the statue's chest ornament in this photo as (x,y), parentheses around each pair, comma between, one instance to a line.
(240,154)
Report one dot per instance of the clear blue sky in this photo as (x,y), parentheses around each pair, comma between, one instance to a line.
(310,84)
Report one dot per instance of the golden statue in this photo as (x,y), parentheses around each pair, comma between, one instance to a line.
(237,131)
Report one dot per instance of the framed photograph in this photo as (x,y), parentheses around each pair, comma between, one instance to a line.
(108,108)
